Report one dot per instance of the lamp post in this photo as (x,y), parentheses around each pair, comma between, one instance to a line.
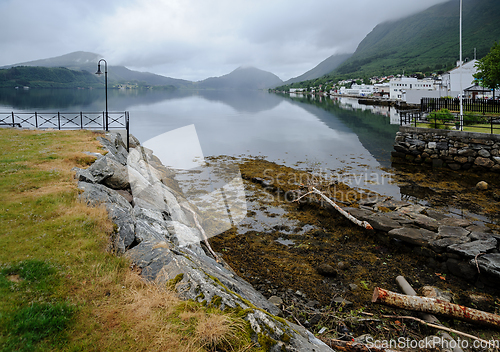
(99,72)
(461,67)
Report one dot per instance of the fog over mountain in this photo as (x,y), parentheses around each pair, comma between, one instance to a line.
(195,39)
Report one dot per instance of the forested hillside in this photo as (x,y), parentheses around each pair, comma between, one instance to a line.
(426,42)
(45,77)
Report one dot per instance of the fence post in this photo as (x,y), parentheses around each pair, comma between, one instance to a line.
(103,122)
(128,129)
(12,119)
(59,120)
(36,119)
(81,120)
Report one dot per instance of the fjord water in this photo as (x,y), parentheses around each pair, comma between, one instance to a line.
(337,136)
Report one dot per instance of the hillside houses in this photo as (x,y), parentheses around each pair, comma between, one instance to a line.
(410,89)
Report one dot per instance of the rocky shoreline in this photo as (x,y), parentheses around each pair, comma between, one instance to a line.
(459,246)
(154,231)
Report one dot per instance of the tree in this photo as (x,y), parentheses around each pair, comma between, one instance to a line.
(489,69)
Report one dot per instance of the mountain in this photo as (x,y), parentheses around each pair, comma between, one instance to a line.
(243,78)
(324,67)
(85,61)
(47,77)
(427,41)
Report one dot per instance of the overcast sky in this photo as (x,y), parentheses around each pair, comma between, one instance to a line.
(195,39)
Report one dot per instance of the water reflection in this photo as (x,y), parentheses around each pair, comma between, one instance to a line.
(319,134)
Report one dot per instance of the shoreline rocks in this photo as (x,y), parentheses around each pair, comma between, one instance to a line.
(162,241)
(454,242)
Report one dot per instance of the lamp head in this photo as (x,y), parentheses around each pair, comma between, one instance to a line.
(99,72)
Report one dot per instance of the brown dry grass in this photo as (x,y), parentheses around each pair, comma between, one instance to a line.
(117,310)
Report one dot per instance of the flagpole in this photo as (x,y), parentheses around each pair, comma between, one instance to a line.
(461,65)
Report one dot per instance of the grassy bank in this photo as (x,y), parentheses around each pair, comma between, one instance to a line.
(61,289)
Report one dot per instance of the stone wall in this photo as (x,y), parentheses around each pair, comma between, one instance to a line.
(456,150)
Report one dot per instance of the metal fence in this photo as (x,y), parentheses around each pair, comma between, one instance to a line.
(473,105)
(484,124)
(68,120)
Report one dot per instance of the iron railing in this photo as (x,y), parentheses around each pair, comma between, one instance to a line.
(490,124)
(68,121)
(473,105)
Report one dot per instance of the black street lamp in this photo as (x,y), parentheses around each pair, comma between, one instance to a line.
(99,72)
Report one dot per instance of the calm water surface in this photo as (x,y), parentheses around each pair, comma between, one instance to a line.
(338,136)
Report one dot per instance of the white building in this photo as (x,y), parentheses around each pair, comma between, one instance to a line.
(382,89)
(459,78)
(400,86)
(358,89)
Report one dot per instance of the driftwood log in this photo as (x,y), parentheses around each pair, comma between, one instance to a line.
(435,306)
(312,189)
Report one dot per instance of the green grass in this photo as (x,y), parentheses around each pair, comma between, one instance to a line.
(60,288)
(482,128)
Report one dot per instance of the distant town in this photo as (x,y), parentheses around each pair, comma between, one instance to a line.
(409,89)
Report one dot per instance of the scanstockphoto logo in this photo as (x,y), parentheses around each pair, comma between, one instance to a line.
(213,196)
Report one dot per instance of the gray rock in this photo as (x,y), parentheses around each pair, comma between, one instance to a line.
(383,223)
(412,209)
(360,214)
(461,269)
(277,301)
(442,244)
(110,172)
(119,179)
(480,236)
(424,221)
(452,231)
(434,214)
(182,235)
(126,194)
(455,222)
(119,154)
(489,265)
(478,228)
(101,169)
(133,141)
(393,204)
(399,216)
(97,194)
(419,237)
(84,175)
(415,142)
(484,153)
(152,232)
(125,222)
(467,152)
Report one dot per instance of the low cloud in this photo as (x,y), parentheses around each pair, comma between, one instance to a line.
(195,39)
